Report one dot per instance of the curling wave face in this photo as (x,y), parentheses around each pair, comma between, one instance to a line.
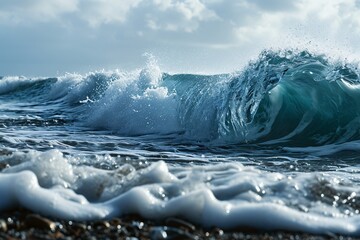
(287,98)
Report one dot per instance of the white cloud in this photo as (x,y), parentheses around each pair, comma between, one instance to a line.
(187,15)
(275,5)
(176,15)
(266,22)
(98,12)
(168,15)
(221,30)
(28,11)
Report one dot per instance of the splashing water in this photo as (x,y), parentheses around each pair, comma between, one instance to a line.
(273,146)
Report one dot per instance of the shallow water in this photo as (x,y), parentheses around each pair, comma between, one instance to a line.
(273,146)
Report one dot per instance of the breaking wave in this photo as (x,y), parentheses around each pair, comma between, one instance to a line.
(291,98)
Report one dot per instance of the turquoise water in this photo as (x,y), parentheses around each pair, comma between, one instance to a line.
(274,145)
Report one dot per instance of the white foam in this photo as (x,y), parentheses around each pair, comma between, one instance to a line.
(326,150)
(129,103)
(11,83)
(76,88)
(136,104)
(224,195)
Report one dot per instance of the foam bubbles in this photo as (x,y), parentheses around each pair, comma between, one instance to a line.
(223,195)
(50,167)
(136,103)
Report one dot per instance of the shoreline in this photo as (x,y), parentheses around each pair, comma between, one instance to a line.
(22,224)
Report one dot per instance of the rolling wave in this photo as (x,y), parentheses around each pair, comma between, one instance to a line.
(287,97)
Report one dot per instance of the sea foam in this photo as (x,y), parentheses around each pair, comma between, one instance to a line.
(225,195)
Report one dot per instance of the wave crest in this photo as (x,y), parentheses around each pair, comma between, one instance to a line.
(285,97)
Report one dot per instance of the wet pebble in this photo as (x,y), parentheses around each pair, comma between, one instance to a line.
(179,223)
(172,233)
(19,227)
(102,224)
(3,225)
(77,229)
(36,221)
(158,233)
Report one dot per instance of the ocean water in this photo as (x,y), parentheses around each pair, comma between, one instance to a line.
(274,145)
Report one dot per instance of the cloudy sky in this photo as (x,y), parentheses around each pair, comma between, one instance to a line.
(52,37)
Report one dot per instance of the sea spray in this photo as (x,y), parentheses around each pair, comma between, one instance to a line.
(293,98)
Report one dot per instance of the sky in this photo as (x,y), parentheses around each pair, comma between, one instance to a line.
(54,37)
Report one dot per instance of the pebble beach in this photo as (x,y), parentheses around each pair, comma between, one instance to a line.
(26,225)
